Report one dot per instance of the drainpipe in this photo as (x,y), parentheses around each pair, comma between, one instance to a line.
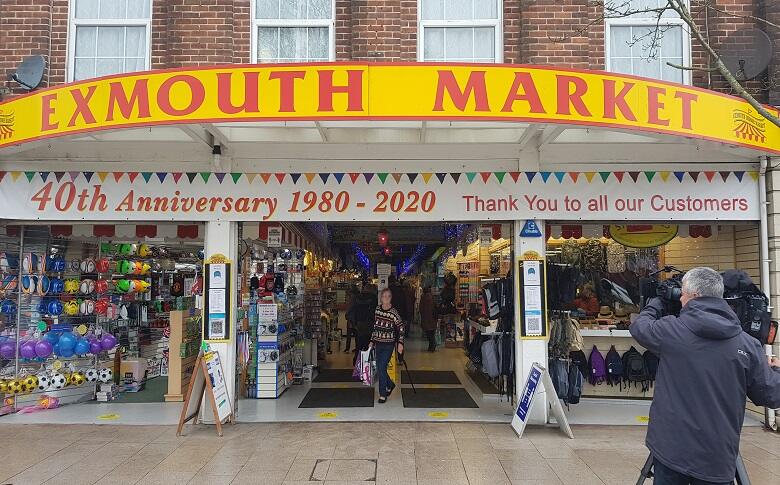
(770,418)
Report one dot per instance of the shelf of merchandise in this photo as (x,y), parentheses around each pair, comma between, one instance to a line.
(587,332)
(183,347)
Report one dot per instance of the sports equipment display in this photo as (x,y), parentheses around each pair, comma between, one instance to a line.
(91,375)
(58,381)
(105,375)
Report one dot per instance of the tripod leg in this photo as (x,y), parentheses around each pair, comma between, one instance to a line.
(409,375)
(647,470)
(742,476)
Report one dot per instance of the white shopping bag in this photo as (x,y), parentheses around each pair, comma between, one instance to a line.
(367,367)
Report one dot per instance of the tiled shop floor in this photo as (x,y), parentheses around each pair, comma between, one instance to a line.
(341,453)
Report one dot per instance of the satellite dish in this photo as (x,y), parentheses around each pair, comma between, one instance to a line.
(30,72)
(747,54)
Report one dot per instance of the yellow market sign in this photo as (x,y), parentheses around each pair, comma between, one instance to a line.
(643,235)
(384,91)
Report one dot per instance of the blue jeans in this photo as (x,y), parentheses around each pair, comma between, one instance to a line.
(383,354)
(666,476)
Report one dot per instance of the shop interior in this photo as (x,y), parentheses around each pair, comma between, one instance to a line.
(104,320)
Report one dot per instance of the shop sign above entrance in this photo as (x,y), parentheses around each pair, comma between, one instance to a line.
(385,91)
(408,196)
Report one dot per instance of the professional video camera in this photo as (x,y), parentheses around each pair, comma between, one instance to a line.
(749,303)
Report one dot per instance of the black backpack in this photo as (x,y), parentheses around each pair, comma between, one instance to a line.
(634,369)
(614,367)
(651,364)
(575,384)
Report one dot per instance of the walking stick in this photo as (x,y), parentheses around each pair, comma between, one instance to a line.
(408,374)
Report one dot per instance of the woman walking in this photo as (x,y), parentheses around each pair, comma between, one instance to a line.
(388,332)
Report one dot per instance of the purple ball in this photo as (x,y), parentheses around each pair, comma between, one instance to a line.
(108,341)
(43,349)
(27,349)
(7,350)
(95,347)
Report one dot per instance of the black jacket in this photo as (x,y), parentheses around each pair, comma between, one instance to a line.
(708,367)
(362,313)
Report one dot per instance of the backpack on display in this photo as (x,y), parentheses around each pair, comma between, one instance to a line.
(651,364)
(598,368)
(575,385)
(576,340)
(579,360)
(559,373)
(614,367)
(490,358)
(634,369)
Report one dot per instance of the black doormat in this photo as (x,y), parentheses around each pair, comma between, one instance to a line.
(329,397)
(335,375)
(483,383)
(429,376)
(437,398)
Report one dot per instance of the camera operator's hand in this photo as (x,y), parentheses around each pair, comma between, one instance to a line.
(773,361)
(654,307)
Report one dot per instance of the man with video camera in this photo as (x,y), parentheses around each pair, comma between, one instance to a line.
(708,366)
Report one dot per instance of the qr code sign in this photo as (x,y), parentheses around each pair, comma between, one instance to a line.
(217,328)
(533,325)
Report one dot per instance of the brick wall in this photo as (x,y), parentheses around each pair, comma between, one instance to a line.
(383,30)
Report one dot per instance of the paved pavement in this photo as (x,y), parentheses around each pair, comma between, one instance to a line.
(341,453)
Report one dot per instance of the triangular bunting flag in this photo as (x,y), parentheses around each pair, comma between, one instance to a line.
(559,176)
(680,176)
(545,176)
(455,176)
(205,176)
(634,176)
(412,177)
(161,176)
(339,176)
(235,176)
(368,177)
(485,176)
(265,177)
(117,176)
(58,175)
(397,177)
(15,175)
(753,174)
(530,176)
(29,175)
(665,175)
(191,176)
(73,176)
(220,176)
(88,175)
(145,175)
(500,176)
(132,176)
(515,176)
(441,176)
(280,177)
(102,176)
(694,176)
(709,175)
(353,177)
(295,177)
(649,176)
(309,177)
(324,177)
(574,176)
(2,175)
(470,176)
(589,176)
(739,174)
(725,175)
(604,176)
(619,176)
(382,177)
(426,176)
(176,176)
(251,176)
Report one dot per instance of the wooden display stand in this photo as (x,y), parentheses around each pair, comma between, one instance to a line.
(180,369)
(208,380)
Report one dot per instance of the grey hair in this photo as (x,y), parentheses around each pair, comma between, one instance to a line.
(703,281)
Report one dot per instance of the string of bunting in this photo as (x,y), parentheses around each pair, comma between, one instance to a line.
(383,177)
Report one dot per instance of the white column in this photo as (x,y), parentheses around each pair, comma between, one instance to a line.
(532,350)
(222,238)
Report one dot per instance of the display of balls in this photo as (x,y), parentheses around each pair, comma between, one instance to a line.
(67,341)
(71,307)
(108,341)
(56,286)
(127,249)
(108,248)
(75,265)
(27,349)
(101,286)
(87,286)
(15,386)
(77,378)
(122,286)
(44,381)
(105,375)
(8,350)
(8,306)
(144,250)
(29,284)
(71,286)
(43,348)
(3,386)
(52,337)
(95,347)
(58,381)
(87,307)
(81,347)
(87,265)
(44,283)
(31,263)
(91,375)
(66,353)
(30,382)
(102,265)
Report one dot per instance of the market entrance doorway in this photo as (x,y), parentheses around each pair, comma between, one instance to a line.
(309,339)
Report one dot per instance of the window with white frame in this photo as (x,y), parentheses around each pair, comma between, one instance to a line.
(460,30)
(293,30)
(108,37)
(643,45)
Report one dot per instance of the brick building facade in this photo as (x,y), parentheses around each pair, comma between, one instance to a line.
(566,33)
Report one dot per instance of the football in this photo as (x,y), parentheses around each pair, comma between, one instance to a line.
(91,375)
(58,381)
(44,381)
(106,375)
(77,378)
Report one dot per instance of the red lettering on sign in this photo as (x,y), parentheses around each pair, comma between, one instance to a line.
(47,110)
(197,92)
(353,89)
(654,106)
(687,99)
(251,102)
(139,98)
(82,105)
(530,94)
(613,100)
(287,88)
(475,86)
(567,98)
